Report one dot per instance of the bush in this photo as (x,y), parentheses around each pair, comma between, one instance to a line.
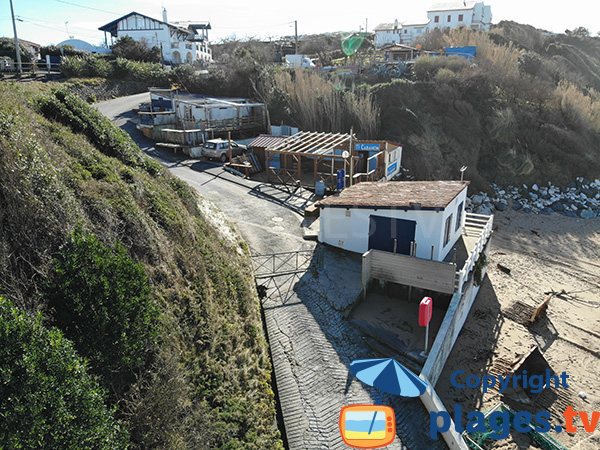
(100,298)
(427,67)
(128,48)
(48,400)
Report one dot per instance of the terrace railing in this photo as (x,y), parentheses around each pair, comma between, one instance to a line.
(484,225)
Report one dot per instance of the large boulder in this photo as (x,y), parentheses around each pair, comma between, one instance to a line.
(587,214)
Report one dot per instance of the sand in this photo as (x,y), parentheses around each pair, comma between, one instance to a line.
(544,254)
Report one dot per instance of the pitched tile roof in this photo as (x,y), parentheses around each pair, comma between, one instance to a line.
(397,194)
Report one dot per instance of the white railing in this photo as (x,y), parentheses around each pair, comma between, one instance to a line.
(485,224)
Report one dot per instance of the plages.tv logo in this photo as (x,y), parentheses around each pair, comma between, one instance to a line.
(500,421)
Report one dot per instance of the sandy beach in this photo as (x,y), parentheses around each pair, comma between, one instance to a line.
(533,256)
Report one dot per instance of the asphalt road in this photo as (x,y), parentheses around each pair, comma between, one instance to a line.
(266,225)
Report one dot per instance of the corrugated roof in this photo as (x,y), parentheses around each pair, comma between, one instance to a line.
(397,194)
(453,6)
(266,140)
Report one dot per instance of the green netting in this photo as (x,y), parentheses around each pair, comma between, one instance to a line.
(477,440)
(351,42)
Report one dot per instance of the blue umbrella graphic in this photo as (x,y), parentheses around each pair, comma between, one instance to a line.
(388,375)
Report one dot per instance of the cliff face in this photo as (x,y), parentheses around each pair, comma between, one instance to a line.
(202,380)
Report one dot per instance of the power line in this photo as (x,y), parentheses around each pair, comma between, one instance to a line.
(56,28)
(88,7)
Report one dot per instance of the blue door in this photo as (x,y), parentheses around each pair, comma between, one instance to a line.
(383,231)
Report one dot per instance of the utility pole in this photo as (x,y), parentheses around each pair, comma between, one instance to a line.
(366,25)
(19,64)
(296,31)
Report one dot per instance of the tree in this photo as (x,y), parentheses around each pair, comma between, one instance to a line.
(100,299)
(48,400)
(128,48)
(7,48)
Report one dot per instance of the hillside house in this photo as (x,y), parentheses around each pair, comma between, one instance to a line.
(388,33)
(180,42)
(441,16)
(460,14)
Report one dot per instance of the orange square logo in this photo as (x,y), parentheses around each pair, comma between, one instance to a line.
(367,426)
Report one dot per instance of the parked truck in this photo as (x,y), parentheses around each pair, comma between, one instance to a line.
(299,61)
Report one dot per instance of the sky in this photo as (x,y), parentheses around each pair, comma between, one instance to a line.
(53,21)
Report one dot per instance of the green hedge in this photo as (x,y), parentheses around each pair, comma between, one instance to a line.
(100,299)
(48,400)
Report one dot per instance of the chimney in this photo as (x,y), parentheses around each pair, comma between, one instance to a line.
(165,14)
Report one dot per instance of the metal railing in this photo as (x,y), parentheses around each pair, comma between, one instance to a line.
(285,263)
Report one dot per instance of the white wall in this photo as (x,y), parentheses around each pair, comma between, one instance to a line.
(352,232)
(454,16)
(386,37)
(411,32)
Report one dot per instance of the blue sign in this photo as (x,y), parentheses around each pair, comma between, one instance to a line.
(392,168)
(341,179)
(369,147)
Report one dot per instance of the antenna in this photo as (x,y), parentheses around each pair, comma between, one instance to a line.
(462,172)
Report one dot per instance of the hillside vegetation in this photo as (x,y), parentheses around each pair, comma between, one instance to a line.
(151,316)
(526,110)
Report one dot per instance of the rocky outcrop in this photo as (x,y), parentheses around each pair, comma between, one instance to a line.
(580,198)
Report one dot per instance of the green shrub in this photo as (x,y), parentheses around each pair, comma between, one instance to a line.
(48,400)
(100,298)
(72,111)
(427,67)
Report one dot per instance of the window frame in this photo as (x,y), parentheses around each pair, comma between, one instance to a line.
(448,230)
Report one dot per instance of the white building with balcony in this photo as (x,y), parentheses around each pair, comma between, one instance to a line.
(460,14)
(180,42)
(470,14)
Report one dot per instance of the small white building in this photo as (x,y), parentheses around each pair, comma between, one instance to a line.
(418,218)
(180,42)
(399,33)
(460,14)
(388,33)
(413,29)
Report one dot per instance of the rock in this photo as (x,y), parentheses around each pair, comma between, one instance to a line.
(535,187)
(546,211)
(582,394)
(533,196)
(527,210)
(501,205)
(478,199)
(571,214)
(558,207)
(517,205)
(572,185)
(589,193)
(587,214)
(483,209)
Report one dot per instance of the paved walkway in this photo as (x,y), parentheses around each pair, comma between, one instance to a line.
(312,346)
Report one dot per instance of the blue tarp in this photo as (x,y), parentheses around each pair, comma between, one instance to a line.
(467,52)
